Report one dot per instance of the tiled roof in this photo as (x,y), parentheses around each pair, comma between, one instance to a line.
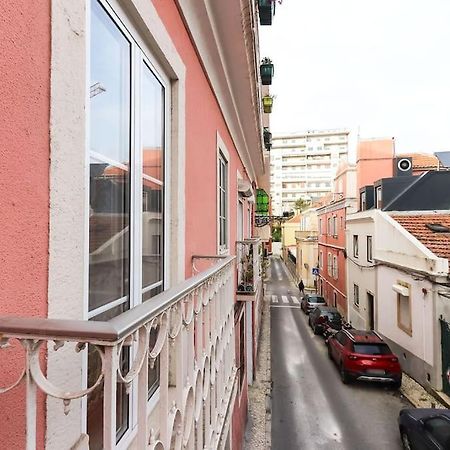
(423,160)
(438,243)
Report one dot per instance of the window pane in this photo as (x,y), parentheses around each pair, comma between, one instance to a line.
(109,174)
(110,88)
(152,101)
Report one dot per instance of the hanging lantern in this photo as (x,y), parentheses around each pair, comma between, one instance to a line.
(267,139)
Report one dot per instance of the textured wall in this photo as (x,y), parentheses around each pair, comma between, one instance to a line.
(24,167)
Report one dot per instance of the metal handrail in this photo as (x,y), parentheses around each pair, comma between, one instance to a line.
(107,332)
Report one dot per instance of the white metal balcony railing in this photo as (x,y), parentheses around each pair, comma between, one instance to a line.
(194,322)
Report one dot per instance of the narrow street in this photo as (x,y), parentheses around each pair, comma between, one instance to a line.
(312,408)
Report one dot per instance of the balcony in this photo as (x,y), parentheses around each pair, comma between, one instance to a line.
(249,269)
(186,334)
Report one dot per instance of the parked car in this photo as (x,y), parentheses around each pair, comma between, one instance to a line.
(363,355)
(323,317)
(311,301)
(425,429)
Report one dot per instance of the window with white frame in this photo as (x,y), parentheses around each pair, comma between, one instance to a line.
(355,246)
(223,202)
(128,113)
(329,264)
(404,317)
(329,230)
(369,249)
(379,197)
(335,267)
(321,260)
(356,295)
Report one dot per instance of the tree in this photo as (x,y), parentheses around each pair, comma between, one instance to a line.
(301,204)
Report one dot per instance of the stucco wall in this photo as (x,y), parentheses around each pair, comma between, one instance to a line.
(203,120)
(420,343)
(360,271)
(24,165)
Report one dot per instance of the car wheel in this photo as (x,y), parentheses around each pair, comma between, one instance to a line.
(345,377)
(405,441)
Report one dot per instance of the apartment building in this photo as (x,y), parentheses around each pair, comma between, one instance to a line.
(303,165)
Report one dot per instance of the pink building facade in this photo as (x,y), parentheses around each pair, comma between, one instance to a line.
(132,136)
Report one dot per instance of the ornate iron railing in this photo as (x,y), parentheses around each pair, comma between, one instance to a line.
(194,345)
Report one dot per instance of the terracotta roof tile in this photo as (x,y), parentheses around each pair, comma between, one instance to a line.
(437,242)
(423,160)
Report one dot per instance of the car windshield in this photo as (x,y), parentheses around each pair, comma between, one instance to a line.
(332,316)
(316,300)
(372,349)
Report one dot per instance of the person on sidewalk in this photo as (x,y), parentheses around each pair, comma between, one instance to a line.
(301,287)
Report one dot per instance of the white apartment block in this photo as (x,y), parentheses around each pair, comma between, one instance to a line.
(303,165)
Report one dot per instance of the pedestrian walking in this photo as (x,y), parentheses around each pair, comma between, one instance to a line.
(301,287)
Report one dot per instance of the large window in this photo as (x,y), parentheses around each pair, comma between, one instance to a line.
(127,111)
(356,295)
(369,249)
(404,321)
(355,246)
(223,202)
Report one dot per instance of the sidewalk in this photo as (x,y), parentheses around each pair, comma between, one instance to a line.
(258,429)
(420,398)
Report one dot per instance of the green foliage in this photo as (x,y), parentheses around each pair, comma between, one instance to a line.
(276,234)
(301,204)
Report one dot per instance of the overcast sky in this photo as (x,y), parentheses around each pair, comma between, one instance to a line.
(380,65)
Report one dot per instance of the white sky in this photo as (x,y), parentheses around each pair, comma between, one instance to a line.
(380,65)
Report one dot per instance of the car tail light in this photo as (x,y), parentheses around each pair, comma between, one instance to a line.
(352,357)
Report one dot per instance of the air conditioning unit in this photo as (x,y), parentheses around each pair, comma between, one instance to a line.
(403,167)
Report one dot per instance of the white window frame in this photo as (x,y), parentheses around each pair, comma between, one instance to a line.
(223,154)
(141,55)
(379,197)
(369,248)
(355,246)
(335,267)
(356,295)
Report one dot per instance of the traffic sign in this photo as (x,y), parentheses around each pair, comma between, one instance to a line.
(315,271)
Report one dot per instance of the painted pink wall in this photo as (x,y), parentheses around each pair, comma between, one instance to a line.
(203,120)
(24,187)
(327,245)
(374,160)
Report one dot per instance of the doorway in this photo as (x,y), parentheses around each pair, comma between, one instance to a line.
(370,311)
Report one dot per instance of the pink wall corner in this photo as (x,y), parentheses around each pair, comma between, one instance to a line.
(374,160)
(203,120)
(24,187)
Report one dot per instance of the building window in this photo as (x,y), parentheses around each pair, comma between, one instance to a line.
(355,246)
(404,319)
(363,201)
(223,202)
(356,295)
(329,264)
(320,226)
(128,107)
(321,260)
(329,231)
(379,197)
(335,226)
(369,248)
(335,267)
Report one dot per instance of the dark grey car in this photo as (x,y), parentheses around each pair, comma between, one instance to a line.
(324,316)
(311,301)
(425,429)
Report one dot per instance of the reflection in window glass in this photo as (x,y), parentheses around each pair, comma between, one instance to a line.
(152,117)
(109,197)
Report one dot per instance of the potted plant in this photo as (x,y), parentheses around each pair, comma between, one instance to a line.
(267,139)
(266,71)
(267,102)
(266,10)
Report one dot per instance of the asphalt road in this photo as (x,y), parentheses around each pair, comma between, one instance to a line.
(311,407)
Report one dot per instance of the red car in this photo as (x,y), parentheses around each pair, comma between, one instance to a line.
(363,355)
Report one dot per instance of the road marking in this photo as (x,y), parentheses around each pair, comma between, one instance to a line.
(284,299)
(295,299)
(274,299)
(286,306)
